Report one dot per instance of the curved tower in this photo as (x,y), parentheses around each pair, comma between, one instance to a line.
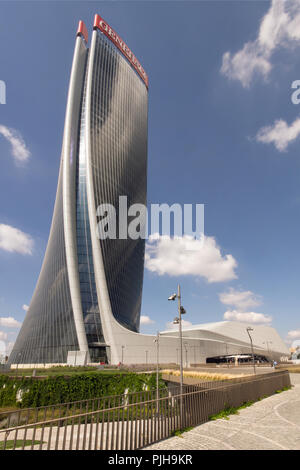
(88,294)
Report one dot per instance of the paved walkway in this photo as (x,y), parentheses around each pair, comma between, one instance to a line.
(270,424)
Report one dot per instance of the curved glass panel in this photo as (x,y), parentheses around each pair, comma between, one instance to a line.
(119,164)
(48,331)
(89,300)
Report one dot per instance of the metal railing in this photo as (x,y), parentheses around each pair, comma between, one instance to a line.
(131,421)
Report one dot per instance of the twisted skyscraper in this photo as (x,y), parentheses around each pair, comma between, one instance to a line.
(86,305)
(89,287)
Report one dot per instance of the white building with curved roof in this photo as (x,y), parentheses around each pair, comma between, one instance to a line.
(231,338)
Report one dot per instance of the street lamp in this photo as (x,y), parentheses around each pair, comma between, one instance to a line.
(248,329)
(18,361)
(172,297)
(186,354)
(157,369)
(122,354)
(178,321)
(227,354)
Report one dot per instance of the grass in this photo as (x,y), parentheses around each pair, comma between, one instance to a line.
(28,417)
(229,410)
(19,443)
(8,409)
(65,371)
(207,376)
(284,389)
(179,432)
(292,369)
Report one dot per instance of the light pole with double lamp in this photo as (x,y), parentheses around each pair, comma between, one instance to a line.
(178,321)
(248,329)
(123,347)
(227,354)
(156,340)
(186,354)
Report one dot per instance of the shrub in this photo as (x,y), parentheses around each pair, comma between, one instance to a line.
(28,392)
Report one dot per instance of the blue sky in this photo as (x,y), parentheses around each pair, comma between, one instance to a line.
(220,77)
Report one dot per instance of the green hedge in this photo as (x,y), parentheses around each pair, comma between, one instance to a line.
(28,392)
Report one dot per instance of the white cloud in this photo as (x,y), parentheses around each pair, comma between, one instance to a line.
(25,307)
(5,346)
(3,336)
(280,27)
(2,347)
(145,320)
(19,150)
(14,240)
(247,317)
(9,322)
(181,256)
(280,134)
(171,326)
(9,347)
(240,299)
(245,64)
(294,334)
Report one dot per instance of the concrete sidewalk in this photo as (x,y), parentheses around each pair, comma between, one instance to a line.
(270,424)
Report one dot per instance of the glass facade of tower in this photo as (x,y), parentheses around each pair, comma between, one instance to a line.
(89,300)
(48,331)
(119,163)
(66,302)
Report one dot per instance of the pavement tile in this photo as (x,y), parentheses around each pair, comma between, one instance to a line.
(270,424)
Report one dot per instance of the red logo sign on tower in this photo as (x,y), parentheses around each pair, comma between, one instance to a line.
(112,35)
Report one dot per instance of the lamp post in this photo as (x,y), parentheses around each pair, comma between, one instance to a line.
(122,354)
(178,321)
(227,354)
(248,329)
(157,370)
(18,361)
(186,354)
